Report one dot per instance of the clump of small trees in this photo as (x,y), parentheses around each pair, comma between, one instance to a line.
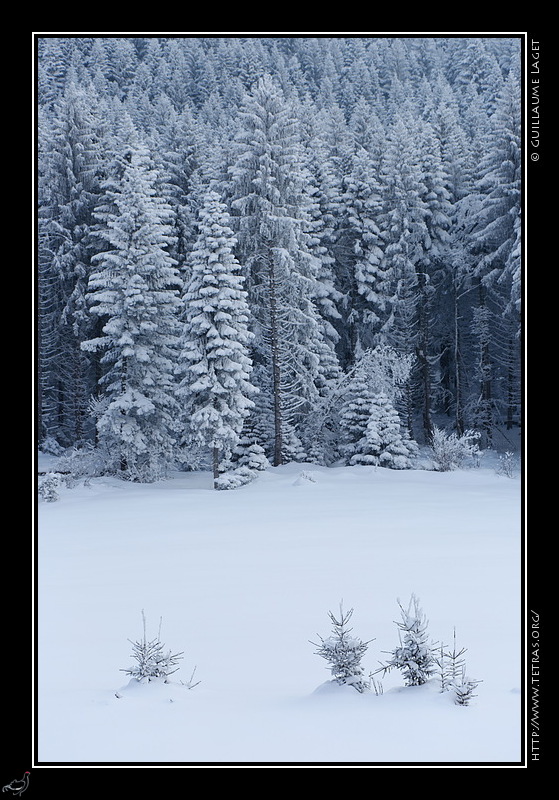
(416,657)
(451,668)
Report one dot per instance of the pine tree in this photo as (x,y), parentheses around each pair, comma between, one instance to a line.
(215,388)
(134,292)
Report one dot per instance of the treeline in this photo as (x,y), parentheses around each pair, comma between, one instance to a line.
(252,247)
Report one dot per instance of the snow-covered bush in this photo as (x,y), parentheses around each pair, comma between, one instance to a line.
(151,658)
(305,477)
(414,657)
(451,451)
(234,478)
(82,463)
(51,447)
(508,464)
(48,487)
(344,653)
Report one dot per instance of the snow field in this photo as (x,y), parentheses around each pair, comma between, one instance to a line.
(243,581)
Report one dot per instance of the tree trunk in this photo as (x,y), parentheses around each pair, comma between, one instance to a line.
(215,453)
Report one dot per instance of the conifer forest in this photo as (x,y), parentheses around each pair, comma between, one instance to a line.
(257,250)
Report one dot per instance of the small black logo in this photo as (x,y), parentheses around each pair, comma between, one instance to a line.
(17,787)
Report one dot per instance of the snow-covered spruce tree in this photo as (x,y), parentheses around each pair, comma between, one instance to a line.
(354,417)
(215,389)
(414,657)
(372,432)
(384,440)
(344,652)
(134,292)
(248,452)
(272,224)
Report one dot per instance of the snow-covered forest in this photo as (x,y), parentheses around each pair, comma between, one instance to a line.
(258,250)
(288,266)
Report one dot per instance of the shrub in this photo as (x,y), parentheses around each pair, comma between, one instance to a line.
(507,465)
(86,462)
(451,451)
(48,487)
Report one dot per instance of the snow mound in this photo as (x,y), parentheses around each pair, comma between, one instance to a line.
(154,690)
(305,478)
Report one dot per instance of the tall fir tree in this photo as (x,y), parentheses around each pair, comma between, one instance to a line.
(134,291)
(215,388)
(272,221)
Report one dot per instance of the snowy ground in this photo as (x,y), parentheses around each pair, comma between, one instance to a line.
(242,581)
